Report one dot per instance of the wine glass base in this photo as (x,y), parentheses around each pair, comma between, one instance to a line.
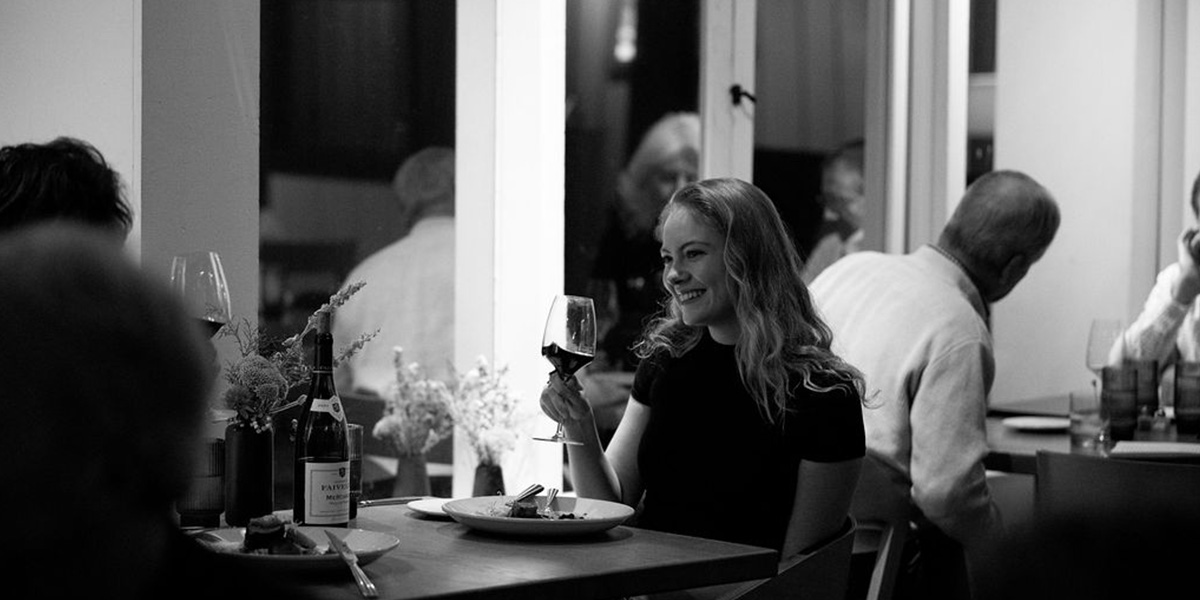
(558,441)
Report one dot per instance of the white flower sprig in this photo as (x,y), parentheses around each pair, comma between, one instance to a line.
(335,301)
(486,410)
(417,415)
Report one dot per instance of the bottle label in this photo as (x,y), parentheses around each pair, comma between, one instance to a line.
(326,493)
(332,406)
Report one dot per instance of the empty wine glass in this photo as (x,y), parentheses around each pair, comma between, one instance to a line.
(569,342)
(199,280)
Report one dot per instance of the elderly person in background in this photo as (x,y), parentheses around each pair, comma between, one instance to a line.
(104,402)
(844,207)
(409,296)
(917,325)
(1168,328)
(626,272)
(625,275)
(65,179)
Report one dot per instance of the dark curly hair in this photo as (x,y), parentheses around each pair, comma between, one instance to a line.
(65,179)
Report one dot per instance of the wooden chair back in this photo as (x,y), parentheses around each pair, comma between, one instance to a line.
(882,510)
(822,574)
(1077,484)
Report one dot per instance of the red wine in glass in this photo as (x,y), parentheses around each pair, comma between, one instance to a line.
(199,280)
(569,342)
(565,361)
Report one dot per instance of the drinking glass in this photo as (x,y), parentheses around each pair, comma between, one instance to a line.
(1101,338)
(1088,427)
(199,280)
(569,342)
(355,432)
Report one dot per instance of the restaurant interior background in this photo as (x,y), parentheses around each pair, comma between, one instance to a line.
(1098,100)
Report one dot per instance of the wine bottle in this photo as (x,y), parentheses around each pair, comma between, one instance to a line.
(322,468)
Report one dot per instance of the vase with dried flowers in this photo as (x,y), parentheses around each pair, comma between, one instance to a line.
(259,385)
(416,417)
(487,412)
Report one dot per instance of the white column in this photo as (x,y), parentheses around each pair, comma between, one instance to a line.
(509,193)
(937,161)
(886,160)
(727,58)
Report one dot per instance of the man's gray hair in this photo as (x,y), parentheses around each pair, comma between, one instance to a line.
(425,183)
(1002,214)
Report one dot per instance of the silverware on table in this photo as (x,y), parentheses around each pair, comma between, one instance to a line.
(548,510)
(364,584)
(529,492)
(390,501)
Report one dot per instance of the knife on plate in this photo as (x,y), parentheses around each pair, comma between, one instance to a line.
(364,585)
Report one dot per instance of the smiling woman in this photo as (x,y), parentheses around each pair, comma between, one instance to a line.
(736,356)
(694,271)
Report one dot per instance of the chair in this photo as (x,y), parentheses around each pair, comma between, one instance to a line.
(1077,484)
(818,575)
(882,510)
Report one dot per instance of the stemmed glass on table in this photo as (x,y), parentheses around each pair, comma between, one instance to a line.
(1089,428)
(569,342)
(199,280)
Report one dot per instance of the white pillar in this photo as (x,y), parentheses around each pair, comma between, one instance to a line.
(509,193)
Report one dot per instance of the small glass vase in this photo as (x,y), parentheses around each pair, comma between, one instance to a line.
(489,480)
(412,476)
(249,474)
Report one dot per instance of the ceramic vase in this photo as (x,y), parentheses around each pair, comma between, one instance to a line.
(489,480)
(412,477)
(249,474)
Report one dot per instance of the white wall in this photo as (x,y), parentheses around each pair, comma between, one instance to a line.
(1068,114)
(168,92)
(68,67)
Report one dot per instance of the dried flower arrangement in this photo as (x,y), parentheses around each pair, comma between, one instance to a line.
(487,411)
(268,369)
(417,415)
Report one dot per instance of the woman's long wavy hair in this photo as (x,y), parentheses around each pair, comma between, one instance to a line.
(783,340)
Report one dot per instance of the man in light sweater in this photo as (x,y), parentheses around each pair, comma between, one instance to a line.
(917,325)
(1168,328)
(409,296)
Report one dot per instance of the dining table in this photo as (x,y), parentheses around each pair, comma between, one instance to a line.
(1013,449)
(438,558)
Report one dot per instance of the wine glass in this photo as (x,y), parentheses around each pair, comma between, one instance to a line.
(569,342)
(199,280)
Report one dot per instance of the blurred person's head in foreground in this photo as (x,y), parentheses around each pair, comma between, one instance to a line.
(666,159)
(104,402)
(1002,226)
(424,185)
(62,180)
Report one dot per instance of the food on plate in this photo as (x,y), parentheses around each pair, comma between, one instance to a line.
(525,509)
(269,534)
(528,509)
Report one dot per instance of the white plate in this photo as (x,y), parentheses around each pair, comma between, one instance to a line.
(1037,423)
(429,507)
(595,516)
(368,545)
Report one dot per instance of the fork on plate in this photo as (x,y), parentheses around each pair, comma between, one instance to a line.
(551,494)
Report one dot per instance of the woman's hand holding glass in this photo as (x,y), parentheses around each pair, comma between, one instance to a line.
(563,401)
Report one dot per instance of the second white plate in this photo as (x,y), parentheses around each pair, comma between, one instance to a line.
(1037,423)
(429,507)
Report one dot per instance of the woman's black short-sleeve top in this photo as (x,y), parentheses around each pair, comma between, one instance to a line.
(707,449)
